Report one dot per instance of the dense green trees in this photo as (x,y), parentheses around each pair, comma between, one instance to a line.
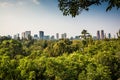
(75,7)
(59,60)
(10,48)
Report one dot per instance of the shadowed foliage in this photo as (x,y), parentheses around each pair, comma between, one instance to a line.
(75,7)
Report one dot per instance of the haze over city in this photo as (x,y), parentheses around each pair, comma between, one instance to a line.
(17,16)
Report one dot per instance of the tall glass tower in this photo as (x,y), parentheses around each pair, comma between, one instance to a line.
(57,36)
(102,34)
(98,35)
(41,34)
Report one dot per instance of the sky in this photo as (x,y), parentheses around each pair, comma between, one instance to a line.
(17,16)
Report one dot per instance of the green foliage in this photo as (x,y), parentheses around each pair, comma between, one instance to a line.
(4,38)
(10,48)
(60,60)
(61,47)
(75,7)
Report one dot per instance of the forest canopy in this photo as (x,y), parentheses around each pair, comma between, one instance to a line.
(62,59)
(75,7)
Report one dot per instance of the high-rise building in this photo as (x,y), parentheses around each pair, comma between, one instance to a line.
(16,36)
(57,36)
(35,36)
(109,36)
(52,37)
(23,35)
(27,34)
(77,37)
(102,34)
(47,37)
(64,36)
(98,35)
(41,34)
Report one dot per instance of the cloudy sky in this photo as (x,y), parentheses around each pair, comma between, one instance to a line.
(17,16)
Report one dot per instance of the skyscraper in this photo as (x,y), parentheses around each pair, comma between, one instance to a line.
(46,37)
(27,34)
(98,35)
(57,36)
(23,35)
(35,36)
(102,34)
(64,36)
(109,36)
(16,36)
(52,37)
(41,34)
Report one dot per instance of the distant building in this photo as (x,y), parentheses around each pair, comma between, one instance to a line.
(64,36)
(98,35)
(71,38)
(36,36)
(102,34)
(105,36)
(23,35)
(95,38)
(9,36)
(52,37)
(77,37)
(16,36)
(47,37)
(57,36)
(109,35)
(41,35)
(27,34)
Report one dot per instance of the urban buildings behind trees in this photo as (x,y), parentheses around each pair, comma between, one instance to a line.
(17,36)
(64,36)
(98,35)
(102,34)
(41,35)
(26,35)
(57,36)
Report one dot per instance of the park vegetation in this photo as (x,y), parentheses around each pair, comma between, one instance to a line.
(63,59)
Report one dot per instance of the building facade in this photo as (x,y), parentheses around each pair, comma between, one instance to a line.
(36,36)
(64,36)
(23,35)
(27,34)
(109,35)
(57,36)
(98,35)
(102,34)
(41,35)
(16,36)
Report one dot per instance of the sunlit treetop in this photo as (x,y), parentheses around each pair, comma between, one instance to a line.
(75,7)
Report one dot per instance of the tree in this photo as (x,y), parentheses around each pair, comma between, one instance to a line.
(10,48)
(2,38)
(75,7)
(84,34)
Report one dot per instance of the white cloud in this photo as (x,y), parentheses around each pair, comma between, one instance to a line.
(6,4)
(20,3)
(17,2)
(36,2)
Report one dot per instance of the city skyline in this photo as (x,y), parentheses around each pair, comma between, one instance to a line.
(100,35)
(33,15)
